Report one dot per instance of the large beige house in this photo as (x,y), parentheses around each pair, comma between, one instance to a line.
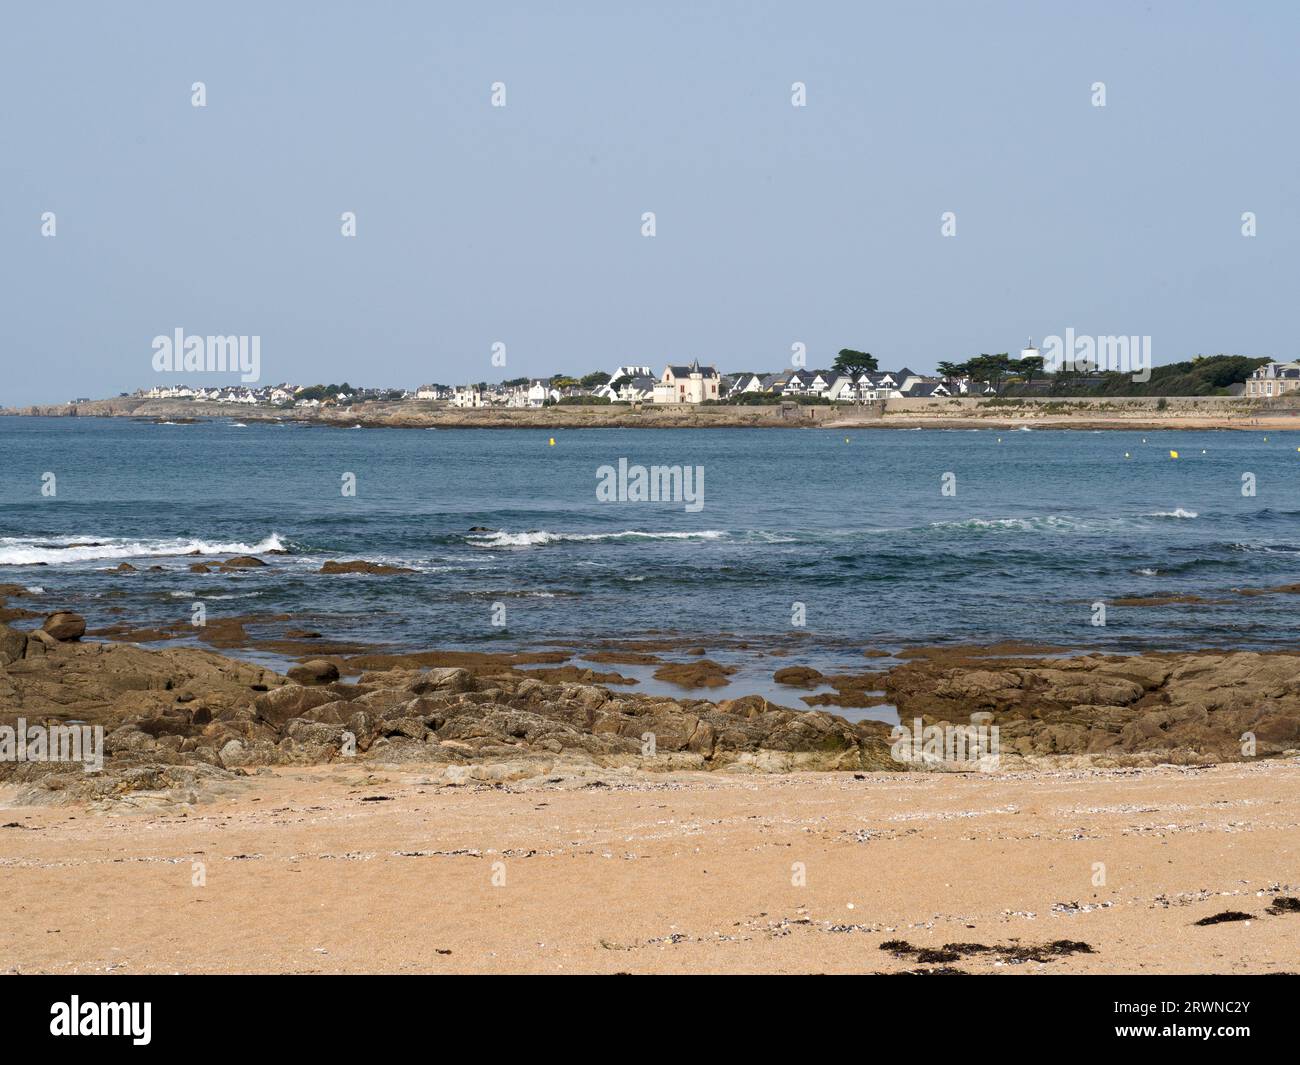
(1273,379)
(687,384)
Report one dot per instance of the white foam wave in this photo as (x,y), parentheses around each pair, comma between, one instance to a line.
(56,551)
(535,539)
(1178,513)
(1050,521)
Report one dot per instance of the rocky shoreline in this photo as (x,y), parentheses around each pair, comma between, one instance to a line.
(177,719)
(1189,413)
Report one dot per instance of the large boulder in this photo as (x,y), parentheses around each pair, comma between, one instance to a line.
(242,562)
(447,679)
(65,625)
(317,671)
(798,676)
(293,700)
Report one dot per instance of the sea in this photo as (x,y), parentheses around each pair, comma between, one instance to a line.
(829,542)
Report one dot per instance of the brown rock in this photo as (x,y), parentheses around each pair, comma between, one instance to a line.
(798,676)
(358,566)
(317,671)
(293,700)
(242,562)
(65,625)
(702,674)
(13,644)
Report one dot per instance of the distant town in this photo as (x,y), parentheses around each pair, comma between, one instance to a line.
(853,378)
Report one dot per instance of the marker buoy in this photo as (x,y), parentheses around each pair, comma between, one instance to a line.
(551,442)
(1173,454)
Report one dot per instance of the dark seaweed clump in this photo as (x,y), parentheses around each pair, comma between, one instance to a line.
(1225,916)
(1011,954)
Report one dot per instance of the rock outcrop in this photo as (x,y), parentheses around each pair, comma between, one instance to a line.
(183,707)
(360,566)
(1128,709)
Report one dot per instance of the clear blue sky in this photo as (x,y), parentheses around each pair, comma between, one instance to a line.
(775,224)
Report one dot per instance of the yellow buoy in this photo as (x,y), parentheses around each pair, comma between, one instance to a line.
(846,439)
(1173,454)
(551,442)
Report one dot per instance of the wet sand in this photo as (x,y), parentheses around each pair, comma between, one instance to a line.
(381,869)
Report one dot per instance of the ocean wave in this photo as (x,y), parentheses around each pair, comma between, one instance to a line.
(1268,548)
(542,536)
(1062,522)
(1031,524)
(61,550)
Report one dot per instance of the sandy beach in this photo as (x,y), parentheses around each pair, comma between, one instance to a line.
(383,869)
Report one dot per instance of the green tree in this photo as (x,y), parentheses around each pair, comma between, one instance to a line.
(852,362)
(992,369)
(595,380)
(1027,368)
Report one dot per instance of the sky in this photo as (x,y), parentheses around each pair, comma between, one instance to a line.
(522,225)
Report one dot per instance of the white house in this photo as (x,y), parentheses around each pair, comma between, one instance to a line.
(1273,379)
(467,396)
(639,389)
(742,383)
(540,393)
(687,384)
(808,382)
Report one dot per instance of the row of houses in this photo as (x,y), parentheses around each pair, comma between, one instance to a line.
(860,387)
(694,383)
(271,394)
(268,395)
(536,393)
(678,383)
(697,384)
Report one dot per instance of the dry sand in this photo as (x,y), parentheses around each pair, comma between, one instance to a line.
(635,872)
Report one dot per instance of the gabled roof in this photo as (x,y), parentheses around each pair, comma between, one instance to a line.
(924,389)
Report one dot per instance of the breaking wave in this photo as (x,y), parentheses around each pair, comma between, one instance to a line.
(60,550)
(535,539)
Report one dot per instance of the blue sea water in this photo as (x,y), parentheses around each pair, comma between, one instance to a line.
(853,526)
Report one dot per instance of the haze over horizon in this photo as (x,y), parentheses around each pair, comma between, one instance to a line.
(521,224)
